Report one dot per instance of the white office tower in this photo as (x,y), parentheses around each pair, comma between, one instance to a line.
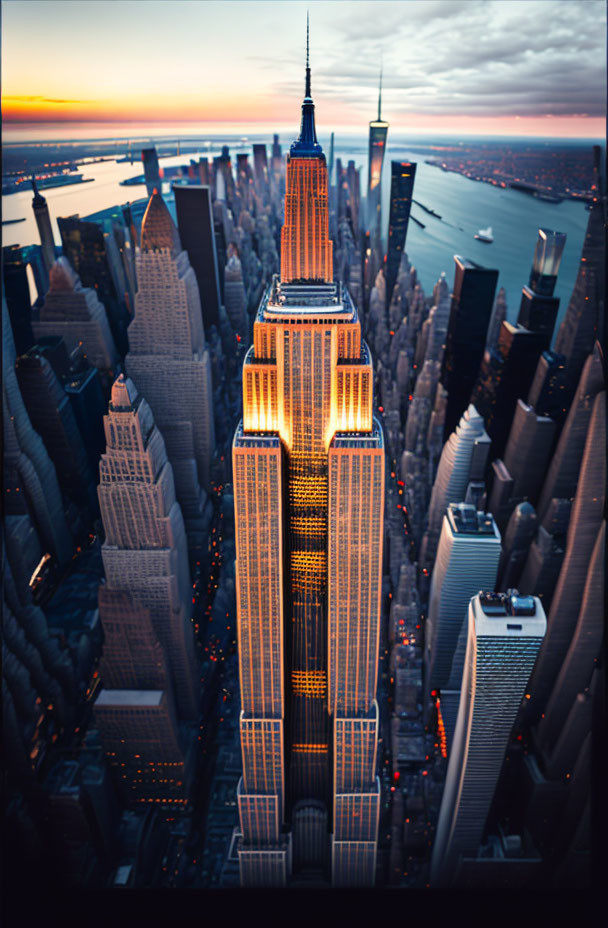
(504,635)
(145,552)
(168,360)
(74,313)
(463,459)
(467,562)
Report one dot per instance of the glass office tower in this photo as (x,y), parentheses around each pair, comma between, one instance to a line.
(308,466)
(378,131)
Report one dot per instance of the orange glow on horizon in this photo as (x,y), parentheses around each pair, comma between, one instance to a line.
(252,109)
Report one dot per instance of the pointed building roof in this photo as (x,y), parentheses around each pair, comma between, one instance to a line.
(306,146)
(124,393)
(38,200)
(62,277)
(158,229)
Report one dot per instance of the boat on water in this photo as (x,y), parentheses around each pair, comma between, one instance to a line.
(485,235)
(427,209)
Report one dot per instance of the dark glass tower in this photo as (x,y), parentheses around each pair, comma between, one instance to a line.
(403,174)
(472,302)
(151,170)
(196,232)
(505,376)
(538,309)
(378,130)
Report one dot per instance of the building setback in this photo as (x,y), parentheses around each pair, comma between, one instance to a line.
(168,360)
(75,313)
(308,466)
(145,552)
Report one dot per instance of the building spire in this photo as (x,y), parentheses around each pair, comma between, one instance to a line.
(38,198)
(380,95)
(307,144)
(307,91)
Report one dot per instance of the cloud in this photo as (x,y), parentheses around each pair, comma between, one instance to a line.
(481,57)
(39,99)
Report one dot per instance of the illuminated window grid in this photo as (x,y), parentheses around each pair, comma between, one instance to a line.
(259,549)
(356,815)
(259,817)
(356,488)
(353,863)
(263,757)
(309,683)
(265,340)
(306,369)
(354,398)
(355,751)
(261,867)
(260,412)
(306,250)
(349,342)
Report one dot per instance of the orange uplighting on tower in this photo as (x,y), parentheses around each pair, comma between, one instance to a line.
(306,250)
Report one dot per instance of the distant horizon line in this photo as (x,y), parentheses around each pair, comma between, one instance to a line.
(168,128)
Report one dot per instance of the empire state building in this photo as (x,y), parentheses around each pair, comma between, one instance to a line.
(308,464)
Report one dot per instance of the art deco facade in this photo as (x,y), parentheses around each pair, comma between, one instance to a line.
(308,467)
(145,553)
(168,360)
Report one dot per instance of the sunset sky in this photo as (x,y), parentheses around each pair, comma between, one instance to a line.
(527,67)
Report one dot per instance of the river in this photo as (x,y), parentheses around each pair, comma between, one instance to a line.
(464,205)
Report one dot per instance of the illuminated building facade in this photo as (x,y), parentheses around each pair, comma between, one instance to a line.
(308,466)
(505,632)
(378,130)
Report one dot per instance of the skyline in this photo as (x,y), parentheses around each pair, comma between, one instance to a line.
(499,78)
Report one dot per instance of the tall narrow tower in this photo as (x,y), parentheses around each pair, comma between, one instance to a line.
(308,467)
(378,130)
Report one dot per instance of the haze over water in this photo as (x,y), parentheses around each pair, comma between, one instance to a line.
(464,205)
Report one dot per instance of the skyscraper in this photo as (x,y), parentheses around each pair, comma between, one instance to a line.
(583,321)
(93,254)
(472,300)
(467,561)
(403,174)
(144,553)
(75,313)
(528,452)
(585,522)
(378,130)
(196,232)
(505,632)
(151,169)
(308,469)
(539,307)
(463,458)
(563,473)
(505,376)
(27,458)
(45,231)
(168,360)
